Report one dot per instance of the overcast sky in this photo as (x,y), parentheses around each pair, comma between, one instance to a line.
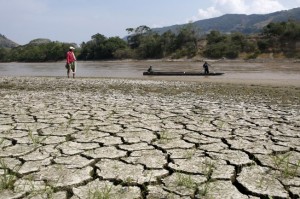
(77,20)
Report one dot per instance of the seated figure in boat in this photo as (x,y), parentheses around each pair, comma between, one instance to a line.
(150,70)
(205,66)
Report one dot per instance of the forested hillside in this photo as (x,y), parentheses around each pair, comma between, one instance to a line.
(279,39)
(247,24)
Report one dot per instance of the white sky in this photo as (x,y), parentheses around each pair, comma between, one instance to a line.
(77,20)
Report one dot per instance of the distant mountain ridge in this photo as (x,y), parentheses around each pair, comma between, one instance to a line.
(246,24)
(227,23)
(7,43)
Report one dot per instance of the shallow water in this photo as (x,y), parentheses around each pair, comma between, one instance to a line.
(276,71)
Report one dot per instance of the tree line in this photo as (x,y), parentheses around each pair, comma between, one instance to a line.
(52,51)
(143,43)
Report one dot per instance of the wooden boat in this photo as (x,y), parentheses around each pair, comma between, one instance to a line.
(160,73)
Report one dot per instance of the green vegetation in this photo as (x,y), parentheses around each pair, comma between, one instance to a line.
(163,137)
(34,191)
(100,193)
(35,52)
(281,37)
(284,166)
(229,46)
(35,138)
(188,41)
(189,153)
(208,168)
(275,38)
(185,181)
(8,178)
(101,47)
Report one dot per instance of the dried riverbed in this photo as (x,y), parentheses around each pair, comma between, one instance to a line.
(119,138)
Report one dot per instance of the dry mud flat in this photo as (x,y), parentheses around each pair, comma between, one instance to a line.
(115,138)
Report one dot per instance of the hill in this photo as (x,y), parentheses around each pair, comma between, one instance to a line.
(7,43)
(39,41)
(246,24)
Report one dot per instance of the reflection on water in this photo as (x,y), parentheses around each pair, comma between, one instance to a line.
(135,69)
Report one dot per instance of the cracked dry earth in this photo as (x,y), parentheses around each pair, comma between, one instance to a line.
(115,138)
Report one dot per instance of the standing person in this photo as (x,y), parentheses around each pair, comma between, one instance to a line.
(71,62)
(205,66)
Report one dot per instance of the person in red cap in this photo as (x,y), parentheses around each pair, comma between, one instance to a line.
(71,62)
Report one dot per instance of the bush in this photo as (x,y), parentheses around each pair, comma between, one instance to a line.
(124,53)
(3,54)
(231,53)
(253,55)
(215,51)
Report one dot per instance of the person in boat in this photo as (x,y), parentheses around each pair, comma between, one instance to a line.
(71,62)
(150,70)
(205,66)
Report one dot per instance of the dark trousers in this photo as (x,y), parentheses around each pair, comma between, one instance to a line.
(206,71)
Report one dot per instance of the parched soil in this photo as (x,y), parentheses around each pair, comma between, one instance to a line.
(123,138)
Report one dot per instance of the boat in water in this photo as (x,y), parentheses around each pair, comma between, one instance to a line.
(161,73)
